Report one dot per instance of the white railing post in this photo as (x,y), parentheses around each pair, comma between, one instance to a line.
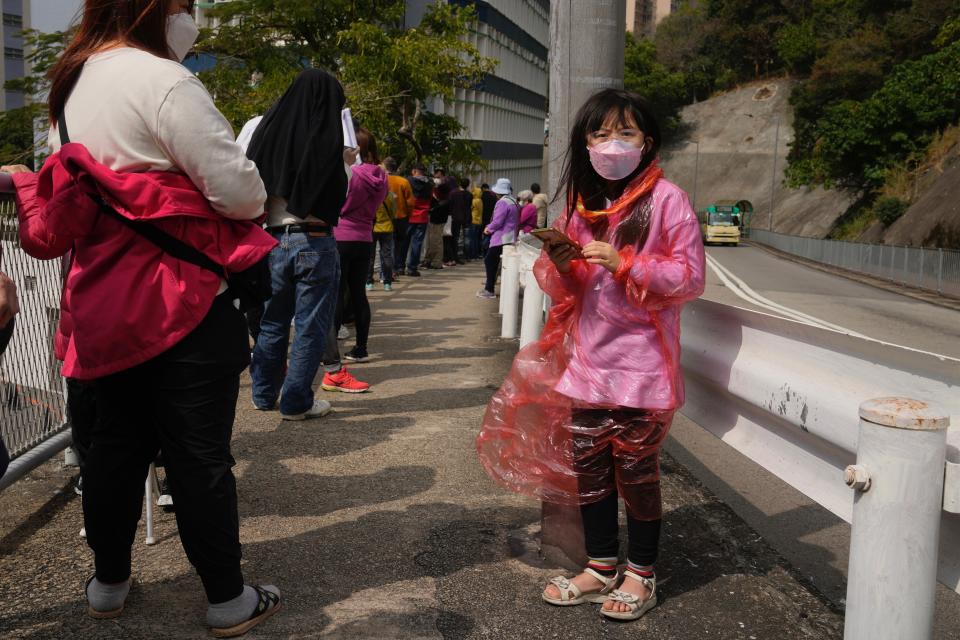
(940,272)
(532,319)
(510,292)
(896,520)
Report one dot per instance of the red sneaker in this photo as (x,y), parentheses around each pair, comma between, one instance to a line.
(343,381)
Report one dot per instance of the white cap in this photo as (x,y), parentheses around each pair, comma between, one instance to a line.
(502,187)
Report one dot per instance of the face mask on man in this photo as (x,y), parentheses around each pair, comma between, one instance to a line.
(616,159)
(182,33)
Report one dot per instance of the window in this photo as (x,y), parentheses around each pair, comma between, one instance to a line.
(12,20)
(12,53)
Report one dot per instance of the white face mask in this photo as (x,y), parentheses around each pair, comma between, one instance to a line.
(182,33)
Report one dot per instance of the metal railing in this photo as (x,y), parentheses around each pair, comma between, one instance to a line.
(931,269)
(32,394)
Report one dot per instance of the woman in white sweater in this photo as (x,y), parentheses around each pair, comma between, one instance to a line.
(126,98)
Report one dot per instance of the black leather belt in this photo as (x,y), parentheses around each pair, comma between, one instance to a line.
(312,229)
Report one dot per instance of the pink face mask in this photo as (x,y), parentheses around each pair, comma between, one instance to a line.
(615,159)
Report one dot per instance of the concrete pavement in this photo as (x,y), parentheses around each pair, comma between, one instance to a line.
(378,522)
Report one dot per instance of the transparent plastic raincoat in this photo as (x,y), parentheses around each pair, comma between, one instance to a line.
(584,410)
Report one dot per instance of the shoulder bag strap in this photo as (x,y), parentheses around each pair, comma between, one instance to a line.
(170,245)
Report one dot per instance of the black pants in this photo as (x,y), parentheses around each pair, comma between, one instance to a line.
(449,249)
(182,403)
(401,244)
(82,416)
(354,262)
(492,262)
(597,466)
(4,458)
(254,314)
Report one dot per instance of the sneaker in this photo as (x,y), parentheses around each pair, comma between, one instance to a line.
(343,334)
(343,381)
(319,409)
(413,274)
(78,486)
(357,355)
(486,295)
(165,500)
(387,286)
(369,286)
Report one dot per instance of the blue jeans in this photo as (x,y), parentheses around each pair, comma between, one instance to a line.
(415,233)
(471,241)
(306,281)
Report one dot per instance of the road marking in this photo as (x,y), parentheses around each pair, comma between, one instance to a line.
(743,290)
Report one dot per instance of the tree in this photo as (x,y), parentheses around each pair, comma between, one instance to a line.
(18,145)
(665,90)
(389,73)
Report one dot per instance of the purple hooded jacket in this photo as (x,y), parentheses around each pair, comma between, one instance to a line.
(368,188)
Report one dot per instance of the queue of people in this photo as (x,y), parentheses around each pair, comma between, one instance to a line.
(176,250)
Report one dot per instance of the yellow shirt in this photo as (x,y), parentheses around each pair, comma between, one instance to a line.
(476,207)
(386,212)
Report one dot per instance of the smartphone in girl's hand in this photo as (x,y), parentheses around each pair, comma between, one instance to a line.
(6,183)
(555,237)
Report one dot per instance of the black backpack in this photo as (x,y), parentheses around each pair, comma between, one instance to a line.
(252,286)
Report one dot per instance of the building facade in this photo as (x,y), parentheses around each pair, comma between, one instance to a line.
(506,112)
(643,16)
(13,64)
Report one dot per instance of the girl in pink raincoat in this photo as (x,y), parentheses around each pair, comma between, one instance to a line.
(584,410)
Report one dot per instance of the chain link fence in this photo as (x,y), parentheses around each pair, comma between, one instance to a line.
(32,391)
(931,269)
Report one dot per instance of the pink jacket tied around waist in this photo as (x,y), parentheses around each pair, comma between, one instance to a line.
(125,300)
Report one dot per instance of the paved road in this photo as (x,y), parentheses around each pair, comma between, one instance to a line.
(809,536)
(858,307)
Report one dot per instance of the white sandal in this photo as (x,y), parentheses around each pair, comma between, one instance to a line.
(570,594)
(637,607)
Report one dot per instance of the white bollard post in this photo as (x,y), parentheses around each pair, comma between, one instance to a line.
(148,497)
(508,250)
(531,322)
(510,293)
(896,520)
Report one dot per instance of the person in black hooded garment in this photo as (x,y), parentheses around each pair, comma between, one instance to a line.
(298,147)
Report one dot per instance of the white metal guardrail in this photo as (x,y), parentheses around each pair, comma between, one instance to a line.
(932,269)
(32,393)
(799,400)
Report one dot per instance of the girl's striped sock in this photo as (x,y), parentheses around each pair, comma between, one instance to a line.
(603,566)
(644,571)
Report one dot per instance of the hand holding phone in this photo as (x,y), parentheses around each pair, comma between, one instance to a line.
(556,238)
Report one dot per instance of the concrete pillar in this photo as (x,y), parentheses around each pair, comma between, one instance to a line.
(587,39)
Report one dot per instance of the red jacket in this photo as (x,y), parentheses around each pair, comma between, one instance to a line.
(125,300)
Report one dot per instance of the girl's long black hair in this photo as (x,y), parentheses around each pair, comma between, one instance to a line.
(580,180)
